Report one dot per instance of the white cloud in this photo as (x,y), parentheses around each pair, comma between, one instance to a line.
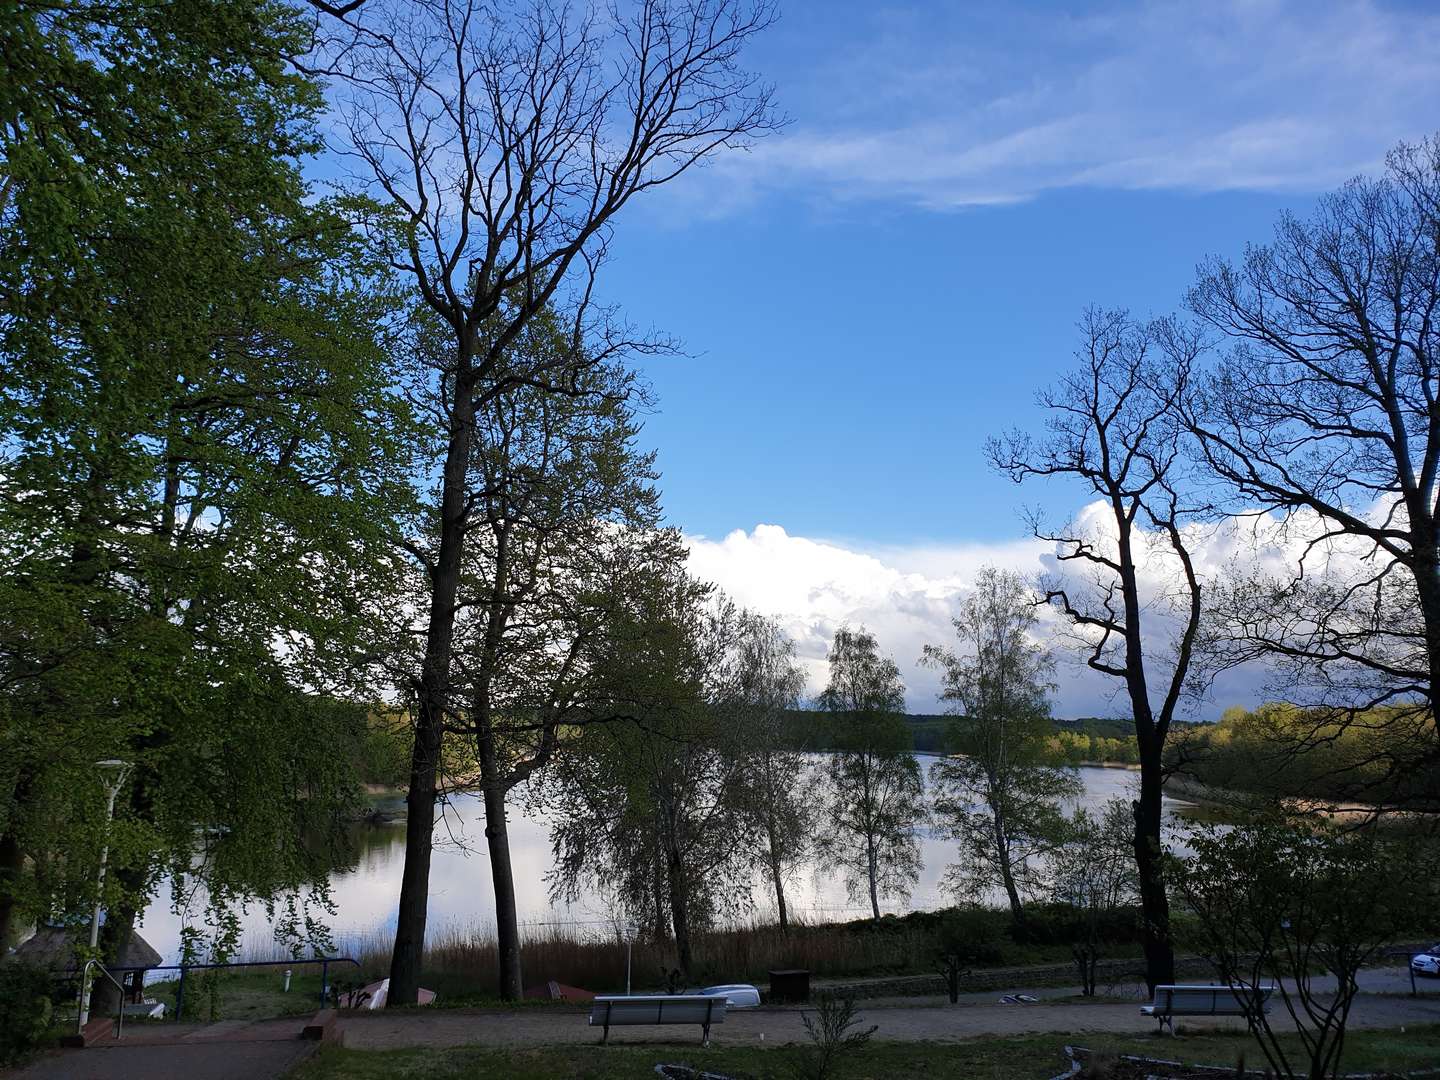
(988,104)
(906,596)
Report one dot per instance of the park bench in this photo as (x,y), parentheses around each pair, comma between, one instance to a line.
(1173,1001)
(700,1009)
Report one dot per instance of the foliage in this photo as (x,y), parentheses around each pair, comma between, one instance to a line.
(877,792)
(200,459)
(1281,751)
(835,1034)
(999,793)
(776,783)
(649,807)
(1288,904)
(25,1009)
(1094,875)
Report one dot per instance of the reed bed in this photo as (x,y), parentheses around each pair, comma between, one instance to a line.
(464,960)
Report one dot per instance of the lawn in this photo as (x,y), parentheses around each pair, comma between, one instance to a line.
(1035,1057)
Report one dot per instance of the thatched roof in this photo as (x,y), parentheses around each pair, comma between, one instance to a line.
(53,947)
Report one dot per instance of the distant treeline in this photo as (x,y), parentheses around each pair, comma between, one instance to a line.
(1088,738)
(1281,751)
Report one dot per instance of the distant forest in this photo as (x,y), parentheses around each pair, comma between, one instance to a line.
(1087,738)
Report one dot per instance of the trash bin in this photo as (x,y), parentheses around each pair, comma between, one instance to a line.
(790,984)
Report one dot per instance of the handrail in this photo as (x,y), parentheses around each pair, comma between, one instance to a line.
(323,961)
(84,979)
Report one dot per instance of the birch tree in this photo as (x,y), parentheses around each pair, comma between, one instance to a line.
(876,801)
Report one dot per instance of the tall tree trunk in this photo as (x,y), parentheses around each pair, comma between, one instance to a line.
(777,875)
(407,958)
(658,878)
(1007,872)
(1155,936)
(679,909)
(502,874)
(874,870)
(12,865)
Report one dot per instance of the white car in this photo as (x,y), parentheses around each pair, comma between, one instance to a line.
(1427,962)
(736,995)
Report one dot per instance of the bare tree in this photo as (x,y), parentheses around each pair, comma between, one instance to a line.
(1325,416)
(503,139)
(1111,426)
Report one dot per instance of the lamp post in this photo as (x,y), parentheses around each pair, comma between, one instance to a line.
(115,772)
(631,932)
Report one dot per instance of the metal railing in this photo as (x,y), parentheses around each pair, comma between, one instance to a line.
(323,961)
(85,982)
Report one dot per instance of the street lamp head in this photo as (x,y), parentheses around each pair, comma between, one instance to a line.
(112,763)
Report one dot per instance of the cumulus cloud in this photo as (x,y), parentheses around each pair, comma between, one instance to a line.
(989,104)
(906,596)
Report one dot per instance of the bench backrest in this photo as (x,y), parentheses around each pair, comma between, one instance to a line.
(658,1009)
(1208,1000)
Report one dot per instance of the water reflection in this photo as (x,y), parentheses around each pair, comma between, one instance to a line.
(365,892)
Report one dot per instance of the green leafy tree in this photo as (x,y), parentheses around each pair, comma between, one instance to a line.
(562,505)
(1301,907)
(876,790)
(200,457)
(1093,871)
(651,811)
(776,783)
(999,793)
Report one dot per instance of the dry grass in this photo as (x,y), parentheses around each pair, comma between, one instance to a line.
(463,961)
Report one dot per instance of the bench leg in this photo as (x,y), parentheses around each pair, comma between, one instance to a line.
(706,1040)
(604,1038)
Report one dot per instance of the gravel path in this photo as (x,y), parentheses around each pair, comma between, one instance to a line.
(902,1022)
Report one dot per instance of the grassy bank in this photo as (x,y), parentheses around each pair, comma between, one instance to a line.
(1035,1057)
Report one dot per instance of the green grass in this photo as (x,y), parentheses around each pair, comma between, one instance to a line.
(1035,1057)
(254,994)
(976,1060)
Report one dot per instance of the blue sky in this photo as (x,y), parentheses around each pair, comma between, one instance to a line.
(869,294)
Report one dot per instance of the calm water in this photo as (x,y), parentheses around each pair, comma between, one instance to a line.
(460,890)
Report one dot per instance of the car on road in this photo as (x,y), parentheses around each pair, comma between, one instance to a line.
(1427,962)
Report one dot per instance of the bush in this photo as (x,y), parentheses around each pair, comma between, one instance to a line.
(25,1009)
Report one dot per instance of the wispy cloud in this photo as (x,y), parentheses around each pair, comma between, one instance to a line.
(989,104)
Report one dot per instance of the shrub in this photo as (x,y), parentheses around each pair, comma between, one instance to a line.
(25,1009)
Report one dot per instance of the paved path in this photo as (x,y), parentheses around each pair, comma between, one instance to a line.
(902,1022)
(230,1050)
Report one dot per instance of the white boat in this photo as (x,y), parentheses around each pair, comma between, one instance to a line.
(736,995)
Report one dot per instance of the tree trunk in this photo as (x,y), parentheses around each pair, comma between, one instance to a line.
(874,869)
(507,924)
(12,865)
(408,956)
(779,878)
(662,923)
(679,910)
(1155,905)
(1007,872)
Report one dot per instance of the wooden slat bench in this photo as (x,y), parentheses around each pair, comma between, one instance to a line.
(608,1012)
(1173,1001)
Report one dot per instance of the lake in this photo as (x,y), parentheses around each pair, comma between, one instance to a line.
(461,897)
